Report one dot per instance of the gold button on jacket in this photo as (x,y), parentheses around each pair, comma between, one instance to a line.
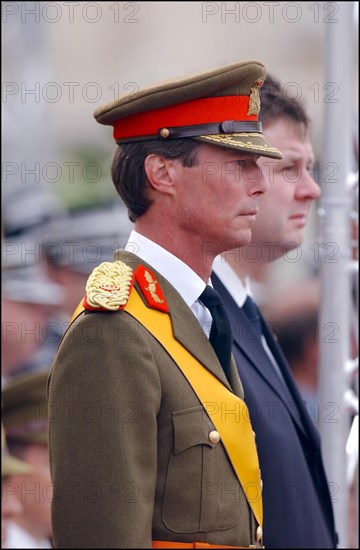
(214,436)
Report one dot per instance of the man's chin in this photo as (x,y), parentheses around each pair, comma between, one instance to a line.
(288,248)
(272,251)
(238,240)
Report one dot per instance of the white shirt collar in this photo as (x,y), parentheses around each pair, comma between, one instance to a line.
(231,280)
(188,284)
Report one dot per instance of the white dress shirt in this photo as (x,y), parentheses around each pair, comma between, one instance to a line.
(188,284)
(231,281)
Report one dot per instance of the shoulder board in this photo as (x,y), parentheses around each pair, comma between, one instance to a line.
(109,287)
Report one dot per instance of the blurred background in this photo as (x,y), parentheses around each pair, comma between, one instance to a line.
(61,215)
(63,59)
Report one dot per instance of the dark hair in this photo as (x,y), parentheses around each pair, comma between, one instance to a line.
(128,172)
(276,104)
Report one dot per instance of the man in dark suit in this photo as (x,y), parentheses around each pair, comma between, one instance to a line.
(297,504)
(143,452)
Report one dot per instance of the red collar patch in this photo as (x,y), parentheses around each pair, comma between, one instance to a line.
(151,289)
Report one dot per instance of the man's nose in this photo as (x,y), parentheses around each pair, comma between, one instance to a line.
(307,187)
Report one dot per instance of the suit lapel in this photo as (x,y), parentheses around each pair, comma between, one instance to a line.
(293,389)
(248,342)
(186,328)
(246,339)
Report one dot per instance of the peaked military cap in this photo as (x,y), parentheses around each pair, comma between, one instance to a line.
(10,465)
(25,415)
(85,237)
(29,284)
(219,107)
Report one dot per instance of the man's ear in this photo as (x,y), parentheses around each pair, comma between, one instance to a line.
(160,173)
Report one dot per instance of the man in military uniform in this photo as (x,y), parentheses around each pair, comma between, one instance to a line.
(78,241)
(150,440)
(28,300)
(25,421)
(11,505)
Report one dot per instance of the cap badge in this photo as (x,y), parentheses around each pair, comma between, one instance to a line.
(254,100)
(109,286)
(151,289)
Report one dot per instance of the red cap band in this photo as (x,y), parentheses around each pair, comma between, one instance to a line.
(198,111)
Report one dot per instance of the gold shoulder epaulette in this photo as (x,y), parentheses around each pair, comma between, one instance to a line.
(109,286)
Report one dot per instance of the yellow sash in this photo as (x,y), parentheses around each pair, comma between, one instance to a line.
(228,413)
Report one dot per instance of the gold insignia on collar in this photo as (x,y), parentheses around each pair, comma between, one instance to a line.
(109,286)
(152,287)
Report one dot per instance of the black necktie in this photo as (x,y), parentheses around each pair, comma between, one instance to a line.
(220,333)
(253,315)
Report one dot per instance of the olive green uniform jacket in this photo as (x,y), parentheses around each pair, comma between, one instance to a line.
(131,459)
